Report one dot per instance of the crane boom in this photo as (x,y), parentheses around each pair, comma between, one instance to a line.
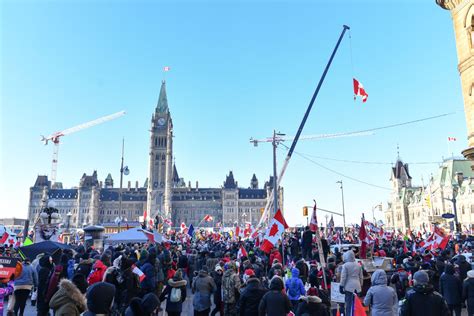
(55,137)
(310,137)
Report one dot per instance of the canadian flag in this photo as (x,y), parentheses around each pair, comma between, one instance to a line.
(359,90)
(138,272)
(208,218)
(183,227)
(166,68)
(273,233)
(452,139)
(313,225)
(436,240)
(242,252)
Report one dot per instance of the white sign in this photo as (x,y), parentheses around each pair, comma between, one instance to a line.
(336,296)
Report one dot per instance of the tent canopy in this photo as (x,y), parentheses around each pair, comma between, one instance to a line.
(48,246)
(131,235)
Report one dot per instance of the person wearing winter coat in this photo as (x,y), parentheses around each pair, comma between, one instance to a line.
(422,299)
(351,279)
(203,286)
(450,287)
(468,292)
(275,302)
(250,297)
(217,277)
(143,307)
(23,285)
(100,297)
(177,283)
(295,288)
(312,305)
(275,255)
(97,274)
(303,269)
(85,266)
(230,289)
(45,268)
(148,285)
(463,266)
(68,300)
(382,299)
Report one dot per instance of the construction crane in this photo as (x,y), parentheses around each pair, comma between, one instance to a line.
(55,138)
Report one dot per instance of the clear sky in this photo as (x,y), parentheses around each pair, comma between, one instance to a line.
(239,69)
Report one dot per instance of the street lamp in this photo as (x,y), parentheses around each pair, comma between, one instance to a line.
(123,171)
(456,189)
(343,209)
(68,216)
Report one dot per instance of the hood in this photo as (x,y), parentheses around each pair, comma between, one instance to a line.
(100,265)
(460,259)
(203,274)
(150,302)
(312,299)
(253,282)
(348,256)
(179,283)
(276,284)
(68,293)
(379,277)
(423,288)
(449,269)
(295,273)
(470,274)
(44,262)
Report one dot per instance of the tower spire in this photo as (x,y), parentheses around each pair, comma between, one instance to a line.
(162,105)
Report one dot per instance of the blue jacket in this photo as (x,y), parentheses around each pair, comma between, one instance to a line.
(149,283)
(294,286)
(28,276)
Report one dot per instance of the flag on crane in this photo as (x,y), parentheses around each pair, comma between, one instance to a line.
(274,231)
(359,90)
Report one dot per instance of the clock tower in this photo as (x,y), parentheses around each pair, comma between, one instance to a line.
(160,159)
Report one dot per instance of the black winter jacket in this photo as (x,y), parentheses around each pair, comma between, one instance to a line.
(250,298)
(423,300)
(450,286)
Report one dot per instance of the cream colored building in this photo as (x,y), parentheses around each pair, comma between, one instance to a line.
(462,13)
(412,206)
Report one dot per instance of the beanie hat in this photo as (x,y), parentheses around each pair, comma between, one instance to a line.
(100,297)
(150,302)
(421,277)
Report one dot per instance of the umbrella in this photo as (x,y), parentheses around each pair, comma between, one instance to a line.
(48,246)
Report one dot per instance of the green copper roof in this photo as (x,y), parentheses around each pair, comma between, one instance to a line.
(162,105)
(447,172)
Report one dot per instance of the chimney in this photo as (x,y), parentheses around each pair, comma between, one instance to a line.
(129,185)
(100,184)
(136,185)
(197,184)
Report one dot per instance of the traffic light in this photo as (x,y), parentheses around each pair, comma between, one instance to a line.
(262,210)
(305,211)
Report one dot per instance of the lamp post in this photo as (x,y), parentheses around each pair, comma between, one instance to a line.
(123,171)
(456,189)
(343,209)
(68,216)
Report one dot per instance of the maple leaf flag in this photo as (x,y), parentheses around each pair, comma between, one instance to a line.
(359,90)
(273,234)
(208,218)
(313,225)
(242,252)
(363,237)
(452,139)
(138,272)
(166,68)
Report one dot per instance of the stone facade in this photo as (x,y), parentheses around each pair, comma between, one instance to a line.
(163,193)
(414,206)
(462,13)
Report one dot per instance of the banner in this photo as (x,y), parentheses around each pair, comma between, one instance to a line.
(44,232)
(7,267)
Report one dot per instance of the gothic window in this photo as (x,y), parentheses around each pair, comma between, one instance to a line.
(156,141)
(157,157)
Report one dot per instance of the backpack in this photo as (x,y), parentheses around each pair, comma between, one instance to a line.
(291,288)
(175,295)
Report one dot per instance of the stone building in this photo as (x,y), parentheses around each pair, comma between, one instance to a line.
(462,13)
(414,206)
(163,193)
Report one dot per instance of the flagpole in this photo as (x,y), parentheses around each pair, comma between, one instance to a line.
(320,250)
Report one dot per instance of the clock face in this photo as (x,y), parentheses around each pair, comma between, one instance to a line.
(161,121)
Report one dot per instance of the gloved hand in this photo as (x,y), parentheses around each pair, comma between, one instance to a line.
(341,289)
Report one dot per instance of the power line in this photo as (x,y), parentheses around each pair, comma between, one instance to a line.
(370,162)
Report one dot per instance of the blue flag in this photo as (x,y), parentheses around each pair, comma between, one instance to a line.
(191,230)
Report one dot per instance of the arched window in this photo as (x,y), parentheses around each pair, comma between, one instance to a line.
(469,26)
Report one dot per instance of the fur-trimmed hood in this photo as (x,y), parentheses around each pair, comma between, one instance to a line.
(68,293)
(179,283)
(311,299)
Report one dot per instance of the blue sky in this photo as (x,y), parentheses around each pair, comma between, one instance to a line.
(239,69)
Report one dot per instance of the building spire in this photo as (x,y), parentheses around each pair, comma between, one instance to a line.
(162,105)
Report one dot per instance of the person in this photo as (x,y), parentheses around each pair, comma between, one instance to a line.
(351,280)
(174,300)
(307,243)
(250,297)
(422,299)
(275,255)
(146,306)
(450,288)
(230,289)
(463,267)
(68,300)
(303,269)
(217,277)
(275,302)
(203,286)
(23,286)
(100,297)
(6,289)
(295,288)
(468,292)
(312,305)
(45,268)
(97,273)
(381,298)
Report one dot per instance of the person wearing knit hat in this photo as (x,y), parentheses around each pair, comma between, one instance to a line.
(275,302)
(100,297)
(247,274)
(175,294)
(422,299)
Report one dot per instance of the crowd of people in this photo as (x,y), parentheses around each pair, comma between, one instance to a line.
(229,276)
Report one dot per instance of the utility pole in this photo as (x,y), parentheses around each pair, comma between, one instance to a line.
(121,179)
(275,182)
(343,209)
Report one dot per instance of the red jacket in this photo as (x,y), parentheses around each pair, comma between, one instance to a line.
(275,255)
(97,273)
(53,282)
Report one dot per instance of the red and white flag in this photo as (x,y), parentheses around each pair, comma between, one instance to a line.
(138,272)
(452,139)
(363,237)
(183,227)
(437,240)
(242,252)
(359,90)
(208,218)
(166,68)
(313,225)
(274,231)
